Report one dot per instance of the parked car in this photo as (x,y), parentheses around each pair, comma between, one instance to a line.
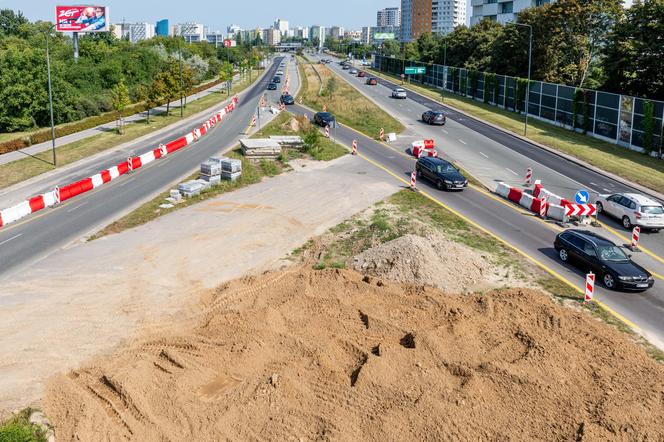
(324,119)
(371,81)
(632,210)
(272,87)
(361,74)
(399,93)
(345,67)
(287,99)
(276,79)
(592,252)
(440,172)
(434,117)
(353,71)
(280,72)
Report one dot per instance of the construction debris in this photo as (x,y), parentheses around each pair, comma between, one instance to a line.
(260,148)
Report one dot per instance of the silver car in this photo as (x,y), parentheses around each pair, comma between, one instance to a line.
(399,93)
(632,210)
(353,71)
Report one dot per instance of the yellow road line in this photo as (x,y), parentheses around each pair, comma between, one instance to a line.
(629,240)
(656,275)
(502,241)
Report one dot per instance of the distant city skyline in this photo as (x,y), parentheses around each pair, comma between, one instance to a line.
(350,14)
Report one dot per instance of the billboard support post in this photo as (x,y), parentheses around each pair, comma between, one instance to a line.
(75,37)
(50,98)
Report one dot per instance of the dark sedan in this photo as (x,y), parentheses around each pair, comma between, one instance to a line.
(440,172)
(324,119)
(592,252)
(287,99)
(276,79)
(434,117)
(272,87)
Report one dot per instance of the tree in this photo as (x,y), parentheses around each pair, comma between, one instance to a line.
(188,82)
(391,48)
(10,22)
(226,75)
(410,51)
(120,101)
(427,47)
(169,83)
(331,87)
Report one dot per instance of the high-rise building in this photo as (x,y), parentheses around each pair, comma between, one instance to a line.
(440,16)
(501,11)
(388,17)
(232,30)
(162,28)
(192,32)
(216,38)
(281,25)
(335,32)
(120,30)
(139,31)
(271,36)
(301,32)
(317,32)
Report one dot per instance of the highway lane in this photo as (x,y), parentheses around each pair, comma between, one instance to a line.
(34,238)
(530,235)
(491,155)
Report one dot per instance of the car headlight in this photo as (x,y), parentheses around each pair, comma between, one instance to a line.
(626,278)
(448,182)
(465,182)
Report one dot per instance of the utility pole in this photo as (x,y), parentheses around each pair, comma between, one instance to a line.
(50,97)
(442,91)
(530,59)
(180,62)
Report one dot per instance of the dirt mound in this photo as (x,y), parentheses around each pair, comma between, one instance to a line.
(332,354)
(432,261)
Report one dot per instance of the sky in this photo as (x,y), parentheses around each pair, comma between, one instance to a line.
(217,15)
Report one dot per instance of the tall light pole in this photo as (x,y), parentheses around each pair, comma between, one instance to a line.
(442,91)
(530,58)
(50,96)
(180,62)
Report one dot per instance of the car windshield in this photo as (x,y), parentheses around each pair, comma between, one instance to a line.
(612,253)
(445,168)
(325,115)
(652,210)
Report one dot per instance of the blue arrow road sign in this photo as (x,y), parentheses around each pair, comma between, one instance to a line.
(582,197)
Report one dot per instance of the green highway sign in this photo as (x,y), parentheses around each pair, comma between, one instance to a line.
(411,70)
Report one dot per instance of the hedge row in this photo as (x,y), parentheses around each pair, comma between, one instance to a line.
(87,123)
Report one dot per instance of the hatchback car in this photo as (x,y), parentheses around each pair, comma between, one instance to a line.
(276,79)
(399,93)
(632,210)
(280,72)
(434,117)
(324,119)
(272,87)
(287,99)
(361,74)
(591,252)
(353,71)
(371,81)
(440,172)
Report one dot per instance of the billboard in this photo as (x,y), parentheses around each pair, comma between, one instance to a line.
(230,43)
(384,36)
(82,19)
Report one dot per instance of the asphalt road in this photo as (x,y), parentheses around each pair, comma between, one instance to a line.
(32,239)
(531,236)
(492,155)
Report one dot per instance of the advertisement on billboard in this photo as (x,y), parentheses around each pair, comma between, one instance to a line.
(82,19)
(384,36)
(230,43)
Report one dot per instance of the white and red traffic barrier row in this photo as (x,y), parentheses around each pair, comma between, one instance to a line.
(61,194)
(530,202)
(419,147)
(540,192)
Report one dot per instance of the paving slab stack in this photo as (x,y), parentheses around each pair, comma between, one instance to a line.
(211,170)
(190,189)
(260,148)
(231,169)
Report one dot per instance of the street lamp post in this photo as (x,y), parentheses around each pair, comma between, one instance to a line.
(442,91)
(50,98)
(180,62)
(530,57)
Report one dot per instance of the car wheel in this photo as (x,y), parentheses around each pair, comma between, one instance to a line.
(439,184)
(609,281)
(599,206)
(419,173)
(563,255)
(626,222)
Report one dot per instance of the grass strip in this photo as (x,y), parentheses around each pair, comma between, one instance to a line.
(348,105)
(631,165)
(19,429)
(23,169)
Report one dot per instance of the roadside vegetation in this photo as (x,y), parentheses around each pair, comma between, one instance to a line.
(615,159)
(18,428)
(316,147)
(321,87)
(23,169)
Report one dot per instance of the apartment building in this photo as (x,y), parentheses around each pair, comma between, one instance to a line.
(435,16)
(388,17)
(502,11)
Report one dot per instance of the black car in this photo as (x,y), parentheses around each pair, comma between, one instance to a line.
(591,252)
(442,173)
(287,99)
(276,79)
(324,119)
(272,87)
(434,117)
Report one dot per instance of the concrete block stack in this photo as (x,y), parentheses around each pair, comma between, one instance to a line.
(260,148)
(190,189)
(231,169)
(289,141)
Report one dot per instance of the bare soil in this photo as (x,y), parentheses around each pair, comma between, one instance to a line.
(334,355)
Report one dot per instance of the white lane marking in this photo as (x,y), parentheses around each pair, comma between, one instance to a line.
(128,181)
(593,184)
(606,190)
(461,141)
(445,131)
(10,239)
(484,155)
(77,207)
(512,171)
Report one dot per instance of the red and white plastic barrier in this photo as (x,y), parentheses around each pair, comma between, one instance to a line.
(530,202)
(324,108)
(590,287)
(529,177)
(354,147)
(543,207)
(552,198)
(413,180)
(61,194)
(253,120)
(381,134)
(636,232)
(327,131)
(417,147)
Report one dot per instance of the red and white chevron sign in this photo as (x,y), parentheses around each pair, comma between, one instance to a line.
(590,287)
(580,209)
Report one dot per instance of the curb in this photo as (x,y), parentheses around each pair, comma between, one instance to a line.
(650,192)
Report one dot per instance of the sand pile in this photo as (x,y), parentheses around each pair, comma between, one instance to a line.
(433,260)
(318,355)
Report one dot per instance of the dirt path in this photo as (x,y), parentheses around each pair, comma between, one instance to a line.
(332,355)
(89,298)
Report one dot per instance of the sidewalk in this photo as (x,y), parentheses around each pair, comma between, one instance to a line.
(61,141)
